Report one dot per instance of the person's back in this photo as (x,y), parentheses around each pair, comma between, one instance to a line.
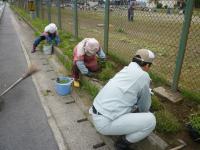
(113,111)
(124,85)
(131,4)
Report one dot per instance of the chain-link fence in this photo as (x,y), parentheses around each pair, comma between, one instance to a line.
(190,75)
(153,24)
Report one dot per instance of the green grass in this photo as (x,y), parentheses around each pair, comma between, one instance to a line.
(156,105)
(108,71)
(90,88)
(195,121)
(166,122)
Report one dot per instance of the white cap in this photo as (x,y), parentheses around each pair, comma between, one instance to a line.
(146,55)
(92,46)
(51,28)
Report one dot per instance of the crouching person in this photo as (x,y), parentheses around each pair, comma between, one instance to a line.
(85,60)
(113,109)
(50,34)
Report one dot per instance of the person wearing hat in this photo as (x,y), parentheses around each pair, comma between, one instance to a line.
(84,58)
(122,105)
(50,34)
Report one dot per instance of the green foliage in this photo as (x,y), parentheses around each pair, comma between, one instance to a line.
(191,95)
(90,88)
(121,30)
(63,81)
(165,7)
(166,122)
(156,105)
(159,5)
(195,121)
(116,59)
(197,3)
(107,72)
(158,80)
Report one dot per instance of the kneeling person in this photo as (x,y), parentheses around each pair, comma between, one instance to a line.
(84,58)
(50,34)
(113,109)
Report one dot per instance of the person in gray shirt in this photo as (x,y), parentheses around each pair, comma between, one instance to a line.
(131,5)
(113,109)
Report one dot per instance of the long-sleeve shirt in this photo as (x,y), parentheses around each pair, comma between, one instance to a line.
(81,65)
(127,88)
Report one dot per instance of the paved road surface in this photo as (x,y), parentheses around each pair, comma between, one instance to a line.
(23,124)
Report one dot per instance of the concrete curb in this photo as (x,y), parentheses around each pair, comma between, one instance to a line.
(1,11)
(153,142)
(50,118)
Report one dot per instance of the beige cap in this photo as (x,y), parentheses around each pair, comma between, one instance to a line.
(146,55)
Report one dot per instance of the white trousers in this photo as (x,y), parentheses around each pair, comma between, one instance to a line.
(136,126)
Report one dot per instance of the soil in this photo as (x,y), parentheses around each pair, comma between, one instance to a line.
(181,110)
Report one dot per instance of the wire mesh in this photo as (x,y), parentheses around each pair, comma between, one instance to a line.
(190,75)
(155,26)
(66,16)
(44,10)
(90,20)
(54,12)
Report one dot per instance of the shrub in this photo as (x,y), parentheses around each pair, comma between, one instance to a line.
(166,122)
(121,30)
(195,122)
(159,5)
(107,71)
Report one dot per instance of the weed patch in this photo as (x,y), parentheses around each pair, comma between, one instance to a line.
(156,105)
(166,122)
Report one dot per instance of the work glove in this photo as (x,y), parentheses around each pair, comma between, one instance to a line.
(90,74)
(151,91)
(102,62)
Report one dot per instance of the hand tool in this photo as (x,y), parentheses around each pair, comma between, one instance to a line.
(31,70)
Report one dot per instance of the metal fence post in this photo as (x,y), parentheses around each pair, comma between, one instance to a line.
(59,14)
(49,10)
(37,7)
(75,19)
(182,43)
(106,25)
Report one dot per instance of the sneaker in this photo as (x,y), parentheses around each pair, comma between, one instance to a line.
(33,50)
(76,84)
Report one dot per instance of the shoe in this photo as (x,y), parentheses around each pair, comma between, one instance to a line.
(33,50)
(76,84)
(122,144)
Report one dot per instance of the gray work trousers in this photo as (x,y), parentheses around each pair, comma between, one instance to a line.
(135,126)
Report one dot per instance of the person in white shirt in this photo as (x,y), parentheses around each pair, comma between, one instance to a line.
(50,34)
(113,109)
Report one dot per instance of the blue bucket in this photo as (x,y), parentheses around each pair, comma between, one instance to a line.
(63,85)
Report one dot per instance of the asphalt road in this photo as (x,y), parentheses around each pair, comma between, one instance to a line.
(23,123)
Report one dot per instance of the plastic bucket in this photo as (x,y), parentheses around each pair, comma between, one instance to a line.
(63,85)
(47,49)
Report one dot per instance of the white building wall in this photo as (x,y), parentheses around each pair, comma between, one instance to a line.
(169,3)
